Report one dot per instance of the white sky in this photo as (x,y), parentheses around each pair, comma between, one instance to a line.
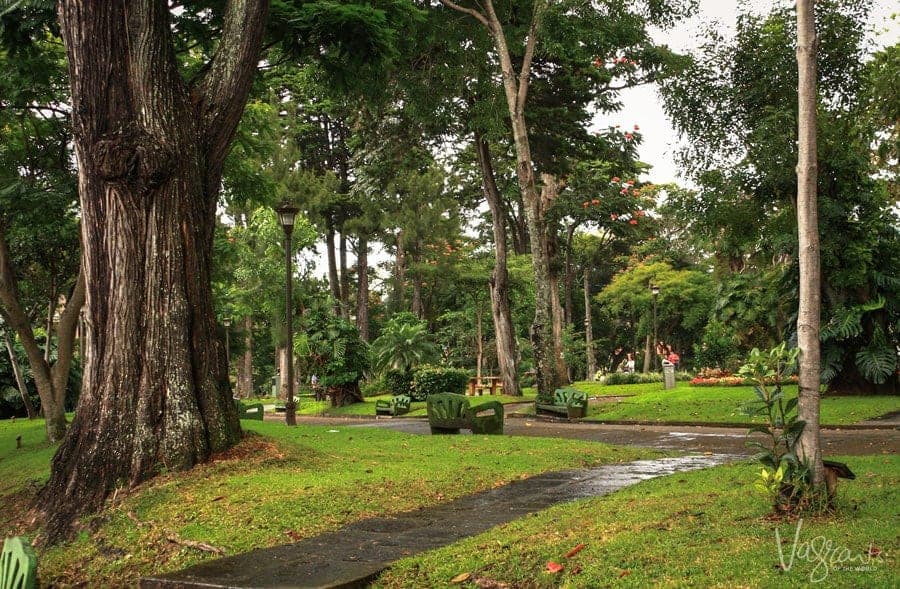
(642,105)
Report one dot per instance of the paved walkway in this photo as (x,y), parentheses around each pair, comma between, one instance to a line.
(355,554)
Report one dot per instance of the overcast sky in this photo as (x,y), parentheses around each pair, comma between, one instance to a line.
(642,105)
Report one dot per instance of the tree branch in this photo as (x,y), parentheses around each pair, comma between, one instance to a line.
(470,11)
(530,44)
(224,89)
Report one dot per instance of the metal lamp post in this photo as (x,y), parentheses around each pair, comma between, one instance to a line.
(286,214)
(654,290)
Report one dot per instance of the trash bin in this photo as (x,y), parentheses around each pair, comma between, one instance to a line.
(668,374)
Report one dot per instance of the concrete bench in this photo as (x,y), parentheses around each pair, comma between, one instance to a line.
(448,413)
(397,405)
(18,564)
(566,401)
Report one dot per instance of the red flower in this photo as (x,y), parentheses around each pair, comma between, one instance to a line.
(585,204)
(636,128)
(613,216)
(623,191)
(595,201)
(640,213)
(616,179)
(629,182)
(633,221)
(628,136)
(635,192)
(597,62)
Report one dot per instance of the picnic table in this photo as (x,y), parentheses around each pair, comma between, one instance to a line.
(493,385)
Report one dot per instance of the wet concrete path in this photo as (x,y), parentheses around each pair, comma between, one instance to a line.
(355,554)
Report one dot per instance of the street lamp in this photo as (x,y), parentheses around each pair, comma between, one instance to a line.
(654,290)
(286,214)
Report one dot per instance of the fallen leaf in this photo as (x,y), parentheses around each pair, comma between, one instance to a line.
(574,551)
(874,551)
(624,573)
(460,578)
(219,498)
(554,567)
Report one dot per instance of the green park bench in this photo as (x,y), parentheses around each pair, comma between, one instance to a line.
(566,401)
(18,565)
(448,413)
(254,411)
(397,405)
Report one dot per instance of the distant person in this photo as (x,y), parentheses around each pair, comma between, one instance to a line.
(629,362)
(673,357)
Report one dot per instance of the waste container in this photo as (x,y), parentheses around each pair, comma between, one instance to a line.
(668,374)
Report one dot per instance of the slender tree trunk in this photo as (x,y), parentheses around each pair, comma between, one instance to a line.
(17,372)
(588,327)
(362,287)
(568,309)
(808,317)
(333,280)
(245,368)
(283,356)
(150,150)
(648,354)
(418,307)
(345,277)
(479,343)
(400,274)
(547,357)
(51,310)
(49,381)
(507,346)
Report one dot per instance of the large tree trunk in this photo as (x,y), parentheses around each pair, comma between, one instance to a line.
(418,305)
(505,334)
(362,287)
(588,327)
(245,367)
(808,317)
(150,149)
(17,372)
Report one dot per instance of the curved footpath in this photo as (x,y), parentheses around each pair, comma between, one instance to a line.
(355,554)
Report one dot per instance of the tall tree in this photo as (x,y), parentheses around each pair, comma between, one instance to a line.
(808,315)
(151,148)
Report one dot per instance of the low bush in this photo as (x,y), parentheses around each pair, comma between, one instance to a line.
(430,380)
(399,382)
(617,378)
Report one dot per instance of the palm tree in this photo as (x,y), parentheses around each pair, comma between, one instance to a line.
(404,343)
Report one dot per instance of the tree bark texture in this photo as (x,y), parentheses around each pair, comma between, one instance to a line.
(50,381)
(362,288)
(505,334)
(151,149)
(345,276)
(808,317)
(549,364)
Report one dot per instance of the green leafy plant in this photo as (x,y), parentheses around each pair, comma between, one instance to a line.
(769,482)
(782,426)
(430,380)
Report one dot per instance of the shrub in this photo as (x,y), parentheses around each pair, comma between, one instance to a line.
(632,378)
(430,380)
(399,382)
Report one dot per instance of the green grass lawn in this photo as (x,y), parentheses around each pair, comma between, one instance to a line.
(705,529)
(650,402)
(279,485)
